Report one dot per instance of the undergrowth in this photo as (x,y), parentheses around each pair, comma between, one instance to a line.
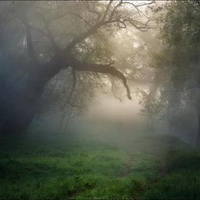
(59,167)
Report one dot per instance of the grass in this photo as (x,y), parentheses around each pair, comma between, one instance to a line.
(106,165)
(182,180)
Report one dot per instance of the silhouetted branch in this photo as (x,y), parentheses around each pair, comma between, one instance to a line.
(115,8)
(72,90)
(107,10)
(99,68)
(120,20)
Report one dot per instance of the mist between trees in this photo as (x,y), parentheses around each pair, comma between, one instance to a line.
(57,59)
(99,100)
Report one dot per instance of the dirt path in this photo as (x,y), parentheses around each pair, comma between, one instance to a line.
(164,169)
(127,167)
(126,171)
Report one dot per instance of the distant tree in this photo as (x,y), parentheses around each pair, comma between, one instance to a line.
(180,33)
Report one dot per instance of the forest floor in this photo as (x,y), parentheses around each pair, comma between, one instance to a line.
(104,165)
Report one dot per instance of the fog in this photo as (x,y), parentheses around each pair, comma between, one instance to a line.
(107,107)
(111,65)
(99,99)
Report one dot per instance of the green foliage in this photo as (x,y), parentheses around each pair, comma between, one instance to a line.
(182,180)
(61,168)
(184,160)
(86,166)
(179,22)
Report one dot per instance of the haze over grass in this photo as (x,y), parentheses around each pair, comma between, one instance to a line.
(95,161)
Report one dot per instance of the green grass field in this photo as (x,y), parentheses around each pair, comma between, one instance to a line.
(99,164)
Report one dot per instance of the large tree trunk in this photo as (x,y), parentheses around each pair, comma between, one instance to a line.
(22,105)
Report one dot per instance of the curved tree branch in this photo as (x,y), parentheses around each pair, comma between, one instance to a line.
(100,68)
(120,20)
(72,90)
(114,10)
(107,10)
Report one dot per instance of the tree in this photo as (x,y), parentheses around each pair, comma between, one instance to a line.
(179,22)
(53,36)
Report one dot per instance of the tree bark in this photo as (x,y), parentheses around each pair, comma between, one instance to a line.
(23,106)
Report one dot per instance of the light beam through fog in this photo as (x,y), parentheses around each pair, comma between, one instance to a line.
(107,107)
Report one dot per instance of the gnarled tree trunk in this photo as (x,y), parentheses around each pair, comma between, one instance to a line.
(23,106)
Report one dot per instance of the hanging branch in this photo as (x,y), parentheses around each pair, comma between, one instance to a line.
(73,88)
(100,68)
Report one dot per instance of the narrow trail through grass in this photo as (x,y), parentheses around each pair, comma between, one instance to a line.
(127,167)
(164,169)
(88,166)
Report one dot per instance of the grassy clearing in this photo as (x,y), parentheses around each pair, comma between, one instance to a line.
(91,166)
(182,180)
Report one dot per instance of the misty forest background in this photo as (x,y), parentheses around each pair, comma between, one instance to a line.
(100,99)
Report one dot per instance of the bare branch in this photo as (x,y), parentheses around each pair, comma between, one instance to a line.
(92,30)
(122,23)
(99,68)
(83,36)
(107,10)
(145,4)
(115,8)
(72,90)
(137,7)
